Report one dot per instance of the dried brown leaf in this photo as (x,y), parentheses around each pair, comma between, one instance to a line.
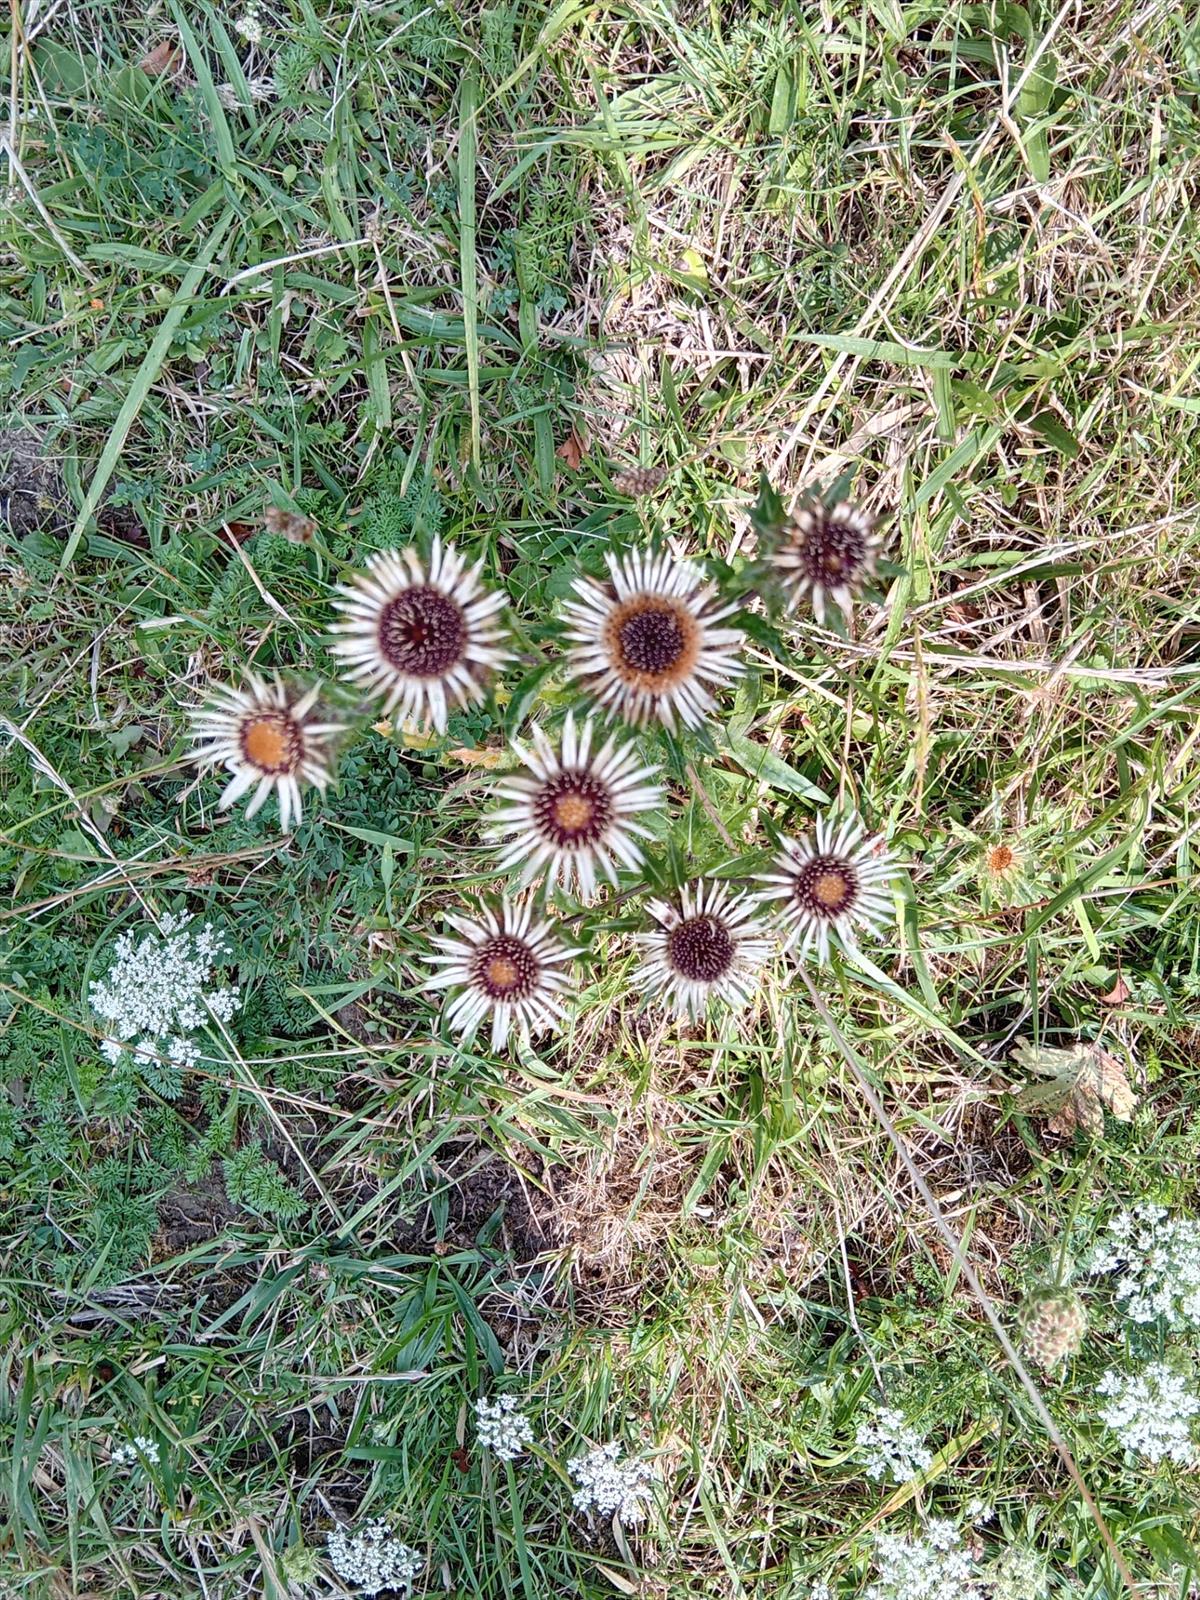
(164,57)
(1082,1083)
(572,450)
(477,758)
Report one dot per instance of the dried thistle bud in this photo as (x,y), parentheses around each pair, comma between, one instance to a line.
(295,529)
(1053,1323)
(637,481)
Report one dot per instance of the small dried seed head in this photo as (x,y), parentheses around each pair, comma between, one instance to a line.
(637,481)
(1053,1323)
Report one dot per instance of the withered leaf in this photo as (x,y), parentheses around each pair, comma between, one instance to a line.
(477,758)
(572,450)
(1082,1083)
(1118,994)
(164,57)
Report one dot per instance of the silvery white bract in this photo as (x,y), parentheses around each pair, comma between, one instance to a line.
(572,813)
(647,644)
(422,638)
(1158,1258)
(158,991)
(1152,1412)
(373,1558)
(609,1485)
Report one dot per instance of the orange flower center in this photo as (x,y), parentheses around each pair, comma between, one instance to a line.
(1000,858)
(831,890)
(573,812)
(503,973)
(271,742)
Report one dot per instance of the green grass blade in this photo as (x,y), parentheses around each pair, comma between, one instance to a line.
(144,379)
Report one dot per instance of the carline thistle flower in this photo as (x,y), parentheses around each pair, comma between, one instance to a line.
(264,734)
(828,553)
(831,883)
(647,644)
(709,947)
(420,637)
(609,1485)
(502,1427)
(572,812)
(507,964)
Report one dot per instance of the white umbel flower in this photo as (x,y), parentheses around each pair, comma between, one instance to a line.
(159,990)
(891,1446)
(506,964)
(266,737)
(831,883)
(373,1558)
(609,1485)
(572,812)
(1158,1259)
(138,1451)
(829,554)
(502,1427)
(420,638)
(935,1565)
(249,25)
(709,947)
(1152,1412)
(647,644)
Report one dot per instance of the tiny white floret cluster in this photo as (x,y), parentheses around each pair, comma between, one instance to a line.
(139,1450)
(1158,1258)
(1018,1574)
(503,1429)
(159,990)
(609,1485)
(249,25)
(933,1566)
(1152,1412)
(373,1558)
(892,1447)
